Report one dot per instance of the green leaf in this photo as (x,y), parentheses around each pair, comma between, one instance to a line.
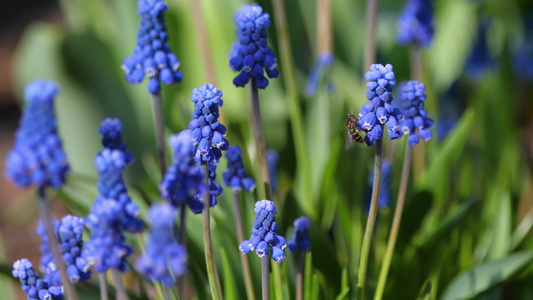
(308,275)
(230,291)
(486,276)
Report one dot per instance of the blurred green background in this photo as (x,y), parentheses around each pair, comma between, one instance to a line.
(469,209)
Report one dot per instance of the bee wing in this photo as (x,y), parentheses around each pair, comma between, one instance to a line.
(348,142)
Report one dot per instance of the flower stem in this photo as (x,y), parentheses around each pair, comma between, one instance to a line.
(214,282)
(419,165)
(103,286)
(323,26)
(244,258)
(160,132)
(119,286)
(166,294)
(295,111)
(395,224)
(182,240)
(300,275)
(264,277)
(260,138)
(44,210)
(372,214)
(371,24)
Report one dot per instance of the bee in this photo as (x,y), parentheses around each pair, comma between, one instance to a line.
(352,131)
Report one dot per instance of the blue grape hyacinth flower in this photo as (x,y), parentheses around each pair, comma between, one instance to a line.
(183,180)
(38,289)
(206,131)
(273,160)
(251,55)
(235,177)
(480,61)
(164,259)
(265,238)
(379,110)
(152,56)
(523,58)
(322,65)
(38,157)
(69,233)
(215,190)
(385,187)
(300,236)
(415,25)
(413,97)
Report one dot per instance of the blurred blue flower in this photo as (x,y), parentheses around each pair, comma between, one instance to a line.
(273,160)
(69,233)
(235,177)
(413,97)
(38,157)
(523,58)
(215,190)
(152,55)
(415,25)
(265,236)
(322,65)
(113,212)
(379,110)
(206,131)
(164,259)
(385,189)
(33,286)
(183,180)
(479,60)
(300,236)
(251,55)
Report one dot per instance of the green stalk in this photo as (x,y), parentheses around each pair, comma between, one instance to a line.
(395,224)
(103,286)
(259,134)
(294,105)
(182,240)
(419,163)
(160,132)
(264,277)
(371,222)
(244,258)
(370,39)
(299,275)
(44,210)
(212,275)
(119,286)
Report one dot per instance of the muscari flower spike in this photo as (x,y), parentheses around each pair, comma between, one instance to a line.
(265,236)
(183,180)
(251,55)
(152,55)
(273,160)
(215,190)
(69,233)
(235,177)
(206,131)
(379,110)
(113,212)
(385,187)
(300,236)
(164,259)
(38,289)
(413,97)
(415,25)
(38,157)
(480,61)
(322,65)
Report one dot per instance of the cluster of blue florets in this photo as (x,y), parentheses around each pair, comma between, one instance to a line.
(273,160)
(215,191)
(480,60)
(322,65)
(206,130)
(183,180)
(164,259)
(385,189)
(38,157)
(113,211)
(251,55)
(415,25)
(413,97)
(37,289)
(69,234)
(265,236)
(235,177)
(152,55)
(379,110)
(300,236)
